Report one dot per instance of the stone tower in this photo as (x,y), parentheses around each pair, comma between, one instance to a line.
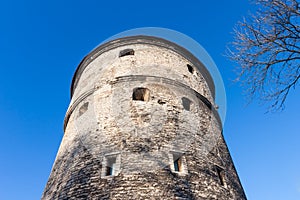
(142,124)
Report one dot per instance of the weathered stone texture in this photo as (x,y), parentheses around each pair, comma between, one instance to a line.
(143,136)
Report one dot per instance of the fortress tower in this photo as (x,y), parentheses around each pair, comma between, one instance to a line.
(142,124)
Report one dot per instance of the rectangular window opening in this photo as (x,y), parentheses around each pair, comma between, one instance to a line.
(126,52)
(221,175)
(83,108)
(186,103)
(141,94)
(110,166)
(177,163)
(190,68)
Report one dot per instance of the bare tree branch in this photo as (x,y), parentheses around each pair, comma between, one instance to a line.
(267,49)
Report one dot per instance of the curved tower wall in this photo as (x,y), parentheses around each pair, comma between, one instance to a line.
(142,125)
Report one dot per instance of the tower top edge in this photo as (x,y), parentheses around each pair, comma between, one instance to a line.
(142,39)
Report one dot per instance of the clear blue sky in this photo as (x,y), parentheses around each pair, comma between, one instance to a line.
(41,44)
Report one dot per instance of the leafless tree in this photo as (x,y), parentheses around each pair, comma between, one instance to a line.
(267,49)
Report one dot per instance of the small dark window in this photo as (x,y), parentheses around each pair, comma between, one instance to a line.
(126,52)
(83,108)
(110,166)
(161,102)
(141,94)
(221,175)
(190,68)
(177,163)
(109,171)
(186,103)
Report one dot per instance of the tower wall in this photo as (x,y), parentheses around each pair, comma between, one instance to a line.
(142,125)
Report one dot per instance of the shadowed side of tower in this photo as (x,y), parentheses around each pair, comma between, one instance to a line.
(142,124)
